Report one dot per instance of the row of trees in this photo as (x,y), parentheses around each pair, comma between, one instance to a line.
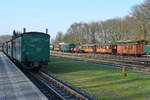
(4,38)
(136,26)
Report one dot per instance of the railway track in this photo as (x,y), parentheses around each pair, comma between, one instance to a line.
(112,58)
(55,90)
(101,55)
(115,63)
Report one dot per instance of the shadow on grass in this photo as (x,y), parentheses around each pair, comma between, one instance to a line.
(137,96)
(98,73)
(59,65)
(113,80)
(104,77)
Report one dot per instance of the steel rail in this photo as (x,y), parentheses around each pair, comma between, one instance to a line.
(62,86)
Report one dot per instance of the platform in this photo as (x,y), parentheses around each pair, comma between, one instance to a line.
(14,85)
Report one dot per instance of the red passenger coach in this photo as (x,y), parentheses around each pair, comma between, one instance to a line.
(90,48)
(111,49)
(57,48)
(75,50)
(131,48)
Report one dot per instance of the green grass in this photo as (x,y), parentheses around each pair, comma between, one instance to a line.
(102,81)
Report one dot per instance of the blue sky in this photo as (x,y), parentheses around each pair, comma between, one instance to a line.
(58,15)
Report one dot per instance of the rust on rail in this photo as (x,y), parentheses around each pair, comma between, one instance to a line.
(77,95)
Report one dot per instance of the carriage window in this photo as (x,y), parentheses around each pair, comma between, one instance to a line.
(130,47)
(107,47)
(110,47)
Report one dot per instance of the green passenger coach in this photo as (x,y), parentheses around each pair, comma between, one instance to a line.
(147,49)
(31,49)
(67,47)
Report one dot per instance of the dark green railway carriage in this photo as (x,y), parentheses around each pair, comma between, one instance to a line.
(9,48)
(67,47)
(5,47)
(31,49)
(147,49)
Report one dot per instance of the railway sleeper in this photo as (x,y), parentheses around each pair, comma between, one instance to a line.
(68,96)
(57,89)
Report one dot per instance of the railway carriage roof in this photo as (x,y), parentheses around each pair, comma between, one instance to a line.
(19,35)
(35,33)
(89,45)
(129,42)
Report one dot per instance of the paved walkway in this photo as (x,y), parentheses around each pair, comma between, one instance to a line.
(14,85)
